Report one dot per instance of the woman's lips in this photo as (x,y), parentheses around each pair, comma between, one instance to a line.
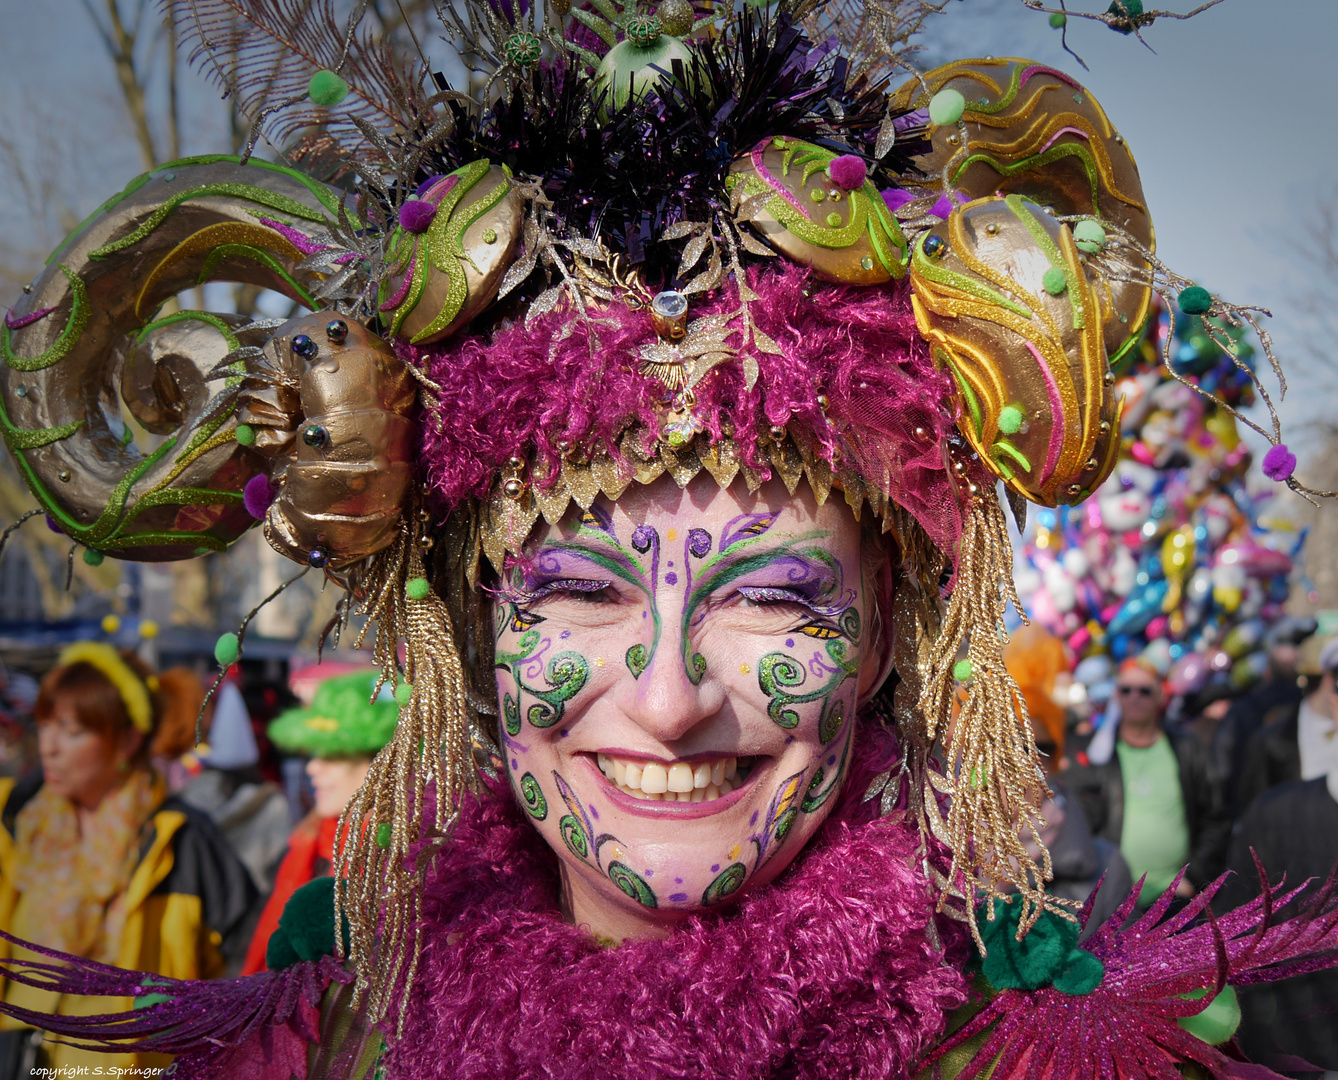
(664,808)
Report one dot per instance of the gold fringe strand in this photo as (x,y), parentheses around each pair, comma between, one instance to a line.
(992,776)
(378,889)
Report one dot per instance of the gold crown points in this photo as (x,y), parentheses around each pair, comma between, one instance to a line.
(509,513)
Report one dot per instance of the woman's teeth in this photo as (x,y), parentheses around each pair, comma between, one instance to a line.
(699,781)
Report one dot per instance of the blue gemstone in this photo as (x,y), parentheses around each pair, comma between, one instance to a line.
(315,435)
(336,330)
(318,557)
(935,245)
(304,347)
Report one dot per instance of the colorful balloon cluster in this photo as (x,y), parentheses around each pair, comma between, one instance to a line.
(1174,558)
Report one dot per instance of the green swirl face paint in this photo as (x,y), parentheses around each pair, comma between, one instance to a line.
(677,679)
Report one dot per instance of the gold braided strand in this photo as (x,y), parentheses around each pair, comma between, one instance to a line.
(993,775)
(378,888)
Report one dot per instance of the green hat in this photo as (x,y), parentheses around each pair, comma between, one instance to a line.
(341,720)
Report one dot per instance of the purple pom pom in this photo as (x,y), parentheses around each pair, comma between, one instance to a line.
(1279,463)
(51,524)
(847,172)
(896,198)
(257,495)
(416,215)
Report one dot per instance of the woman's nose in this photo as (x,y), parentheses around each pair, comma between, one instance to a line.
(675,692)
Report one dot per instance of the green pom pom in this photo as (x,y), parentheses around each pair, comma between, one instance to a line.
(226,650)
(403,693)
(306,929)
(946,107)
(326,88)
(1010,419)
(1058,20)
(383,835)
(1218,1022)
(1035,961)
(417,588)
(1054,282)
(245,434)
(961,671)
(1089,236)
(1082,973)
(93,557)
(1196,300)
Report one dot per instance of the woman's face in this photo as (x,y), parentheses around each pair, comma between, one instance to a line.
(78,763)
(678,676)
(335,781)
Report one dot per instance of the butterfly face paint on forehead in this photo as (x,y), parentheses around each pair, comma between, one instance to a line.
(678,672)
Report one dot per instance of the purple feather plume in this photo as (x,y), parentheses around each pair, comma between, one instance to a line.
(258,1026)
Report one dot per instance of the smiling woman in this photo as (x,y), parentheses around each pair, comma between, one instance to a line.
(677,671)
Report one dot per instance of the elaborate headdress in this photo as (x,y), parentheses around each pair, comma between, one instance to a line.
(653,243)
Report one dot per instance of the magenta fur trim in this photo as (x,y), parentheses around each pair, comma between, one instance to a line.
(828,972)
(890,409)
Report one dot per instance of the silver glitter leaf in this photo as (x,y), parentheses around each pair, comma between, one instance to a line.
(887,136)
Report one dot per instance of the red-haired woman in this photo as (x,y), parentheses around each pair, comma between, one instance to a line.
(95,859)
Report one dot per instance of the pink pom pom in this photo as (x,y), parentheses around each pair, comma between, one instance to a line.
(1279,463)
(847,172)
(257,495)
(416,215)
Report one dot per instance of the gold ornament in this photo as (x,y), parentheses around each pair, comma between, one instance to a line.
(331,411)
(780,189)
(443,277)
(1033,131)
(1011,313)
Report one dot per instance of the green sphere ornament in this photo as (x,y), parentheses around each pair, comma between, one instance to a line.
(93,557)
(1059,20)
(1054,282)
(245,435)
(417,588)
(946,107)
(1195,300)
(326,88)
(1218,1022)
(630,71)
(227,649)
(961,671)
(1125,8)
(383,835)
(676,16)
(1089,236)
(403,693)
(523,49)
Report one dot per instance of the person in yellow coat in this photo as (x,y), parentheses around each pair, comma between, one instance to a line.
(95,859)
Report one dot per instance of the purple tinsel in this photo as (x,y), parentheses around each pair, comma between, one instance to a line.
(1279,463)
(257,496)
(258,1026)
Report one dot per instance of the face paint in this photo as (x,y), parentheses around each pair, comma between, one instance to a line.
(676,675)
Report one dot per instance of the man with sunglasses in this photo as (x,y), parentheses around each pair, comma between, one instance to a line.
(1154,795)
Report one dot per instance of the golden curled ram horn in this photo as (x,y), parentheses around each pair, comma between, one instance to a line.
(1027,129)
(91,334)
(1003,296)
(328,404)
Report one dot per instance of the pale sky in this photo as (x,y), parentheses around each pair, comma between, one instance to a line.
(1231,123)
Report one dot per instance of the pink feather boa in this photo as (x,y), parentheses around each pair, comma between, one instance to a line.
(829,972)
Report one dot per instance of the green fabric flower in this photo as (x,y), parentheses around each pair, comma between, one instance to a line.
(1047,956)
